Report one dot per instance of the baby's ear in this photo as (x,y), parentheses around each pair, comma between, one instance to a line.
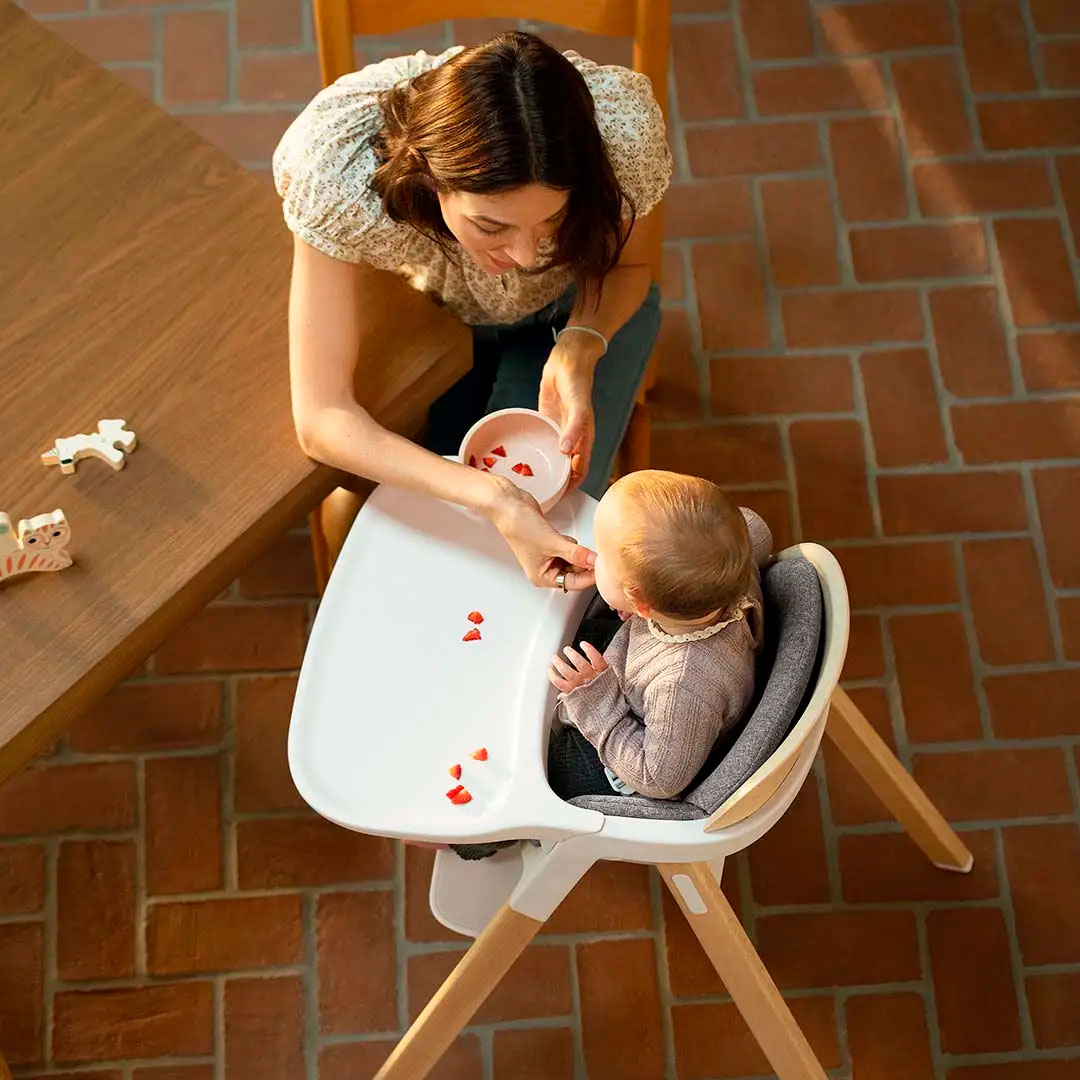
(640,607)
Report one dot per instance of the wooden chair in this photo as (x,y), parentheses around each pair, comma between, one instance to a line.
(337,22)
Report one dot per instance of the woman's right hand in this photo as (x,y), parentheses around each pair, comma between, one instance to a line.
(543,552)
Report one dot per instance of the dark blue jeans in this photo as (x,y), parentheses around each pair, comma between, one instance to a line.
(509,360)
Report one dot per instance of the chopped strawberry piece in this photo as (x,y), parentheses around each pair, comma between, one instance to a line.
(481,754)
(489,461)
(500,451)
(461,798)
(472,635)
(455,791)
(522,469)
(455,771)
(472,461)
(475,617)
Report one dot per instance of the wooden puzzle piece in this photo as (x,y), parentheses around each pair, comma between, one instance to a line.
(40,544)
(102,444)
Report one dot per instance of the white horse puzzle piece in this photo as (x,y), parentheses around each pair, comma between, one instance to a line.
(101,444)
(40,544)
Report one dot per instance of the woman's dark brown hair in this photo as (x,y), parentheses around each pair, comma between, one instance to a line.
(498,116)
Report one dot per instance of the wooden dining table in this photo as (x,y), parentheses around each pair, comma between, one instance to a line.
(144,276)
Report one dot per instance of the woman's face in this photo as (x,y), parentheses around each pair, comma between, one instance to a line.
(504,231)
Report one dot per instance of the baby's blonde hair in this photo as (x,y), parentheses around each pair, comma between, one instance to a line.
(684,547)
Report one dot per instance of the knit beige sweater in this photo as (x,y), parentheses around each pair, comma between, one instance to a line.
(655,713)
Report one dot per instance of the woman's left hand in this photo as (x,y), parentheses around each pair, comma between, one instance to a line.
(566,397)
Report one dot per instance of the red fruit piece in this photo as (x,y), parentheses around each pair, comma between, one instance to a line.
(475,616)
(489,461)
(455,771)
(499,451)
(472,635)
(455,791)
(472,461)
(481,754)
(461,798)
(522,469)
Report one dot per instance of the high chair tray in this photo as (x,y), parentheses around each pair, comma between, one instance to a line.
(390,696)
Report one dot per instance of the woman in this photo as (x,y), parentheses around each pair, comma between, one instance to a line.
(506,181)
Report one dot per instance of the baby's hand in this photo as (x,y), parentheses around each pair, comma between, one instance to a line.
(584,669)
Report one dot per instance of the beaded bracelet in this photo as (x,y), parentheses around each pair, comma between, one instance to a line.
(585,329)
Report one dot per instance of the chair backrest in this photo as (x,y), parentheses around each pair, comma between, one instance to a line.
(646,21)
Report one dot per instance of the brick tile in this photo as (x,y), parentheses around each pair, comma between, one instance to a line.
(158,1020)
(420,924)
(774,505)
(223,935)
(820,88)
(142,79)
(268,22)
(731,296)
(1068,170)
(887,868)
(1030,123)
(1061,64)
(826,319)
(672,283)
(180,858)
(53,7)
(707,76)
(996,46)
(830,470)
(869,168)
(788,864)
(597,47)
(905,415)
(976,1002)
(280,77)
(712,1039)
(1050,361)
(1008,601)
(933,666)
(850,797)
(1037,272)
(931,106)
(1054,1017)
(285,569)
(151,716)
(264,1028)
(263,781)
(95,917)
(22,958)
(248,137)
(1058,492)
(839,948)
(611,897)
(1055,16)
(1013,431)
(752,385)
(970,340)
(917,251)
(1069,618)
(952,502)
(883,27)
(533,1054)
(1034,705)
(618,980)
(677,393)
(1046,925)
(1019,1070)
(977,785)
(887,575)
(172,1072)
(741,149)
(725,453)
(800,232)
(690,7)
(202,34)
(116,1074)
(22,878)
(477,31)
(106,38)
(865,657)
(982,186)
(888,1036)
(777,30)
(285,852)
(350,1061)
(707,208)
(537,985)
(55,798)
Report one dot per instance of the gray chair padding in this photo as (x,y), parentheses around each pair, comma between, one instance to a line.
(786,668)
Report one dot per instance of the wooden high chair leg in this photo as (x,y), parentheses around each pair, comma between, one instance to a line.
(466,988)
(5,1072)
(739,966)
(872,759)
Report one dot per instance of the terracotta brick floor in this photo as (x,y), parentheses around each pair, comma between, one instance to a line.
(873,333)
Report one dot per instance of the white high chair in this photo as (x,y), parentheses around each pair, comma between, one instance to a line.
(390,697)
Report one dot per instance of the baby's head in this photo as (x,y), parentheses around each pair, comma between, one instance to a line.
(673,545)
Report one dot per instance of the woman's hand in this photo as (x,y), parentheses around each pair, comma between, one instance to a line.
(566,397)
(581,669)
(543,552)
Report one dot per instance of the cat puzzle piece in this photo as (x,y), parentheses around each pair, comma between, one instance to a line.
(103,444)
(38,545)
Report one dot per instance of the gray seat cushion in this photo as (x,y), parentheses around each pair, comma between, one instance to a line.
(786,668)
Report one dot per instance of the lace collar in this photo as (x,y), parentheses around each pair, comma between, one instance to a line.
(705,631)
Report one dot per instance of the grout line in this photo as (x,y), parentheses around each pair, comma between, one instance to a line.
(862,414)
(310,980)
(141,886)
(940,393)
(929,992)
(971,637)
(50,975)
(663,974)
(966,91)
(1008,910)
(401,944)
(829,834)
(581,1069)
(788,457)
(1043,560)
(1031,35)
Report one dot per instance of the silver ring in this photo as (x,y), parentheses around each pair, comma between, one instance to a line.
(560,581)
